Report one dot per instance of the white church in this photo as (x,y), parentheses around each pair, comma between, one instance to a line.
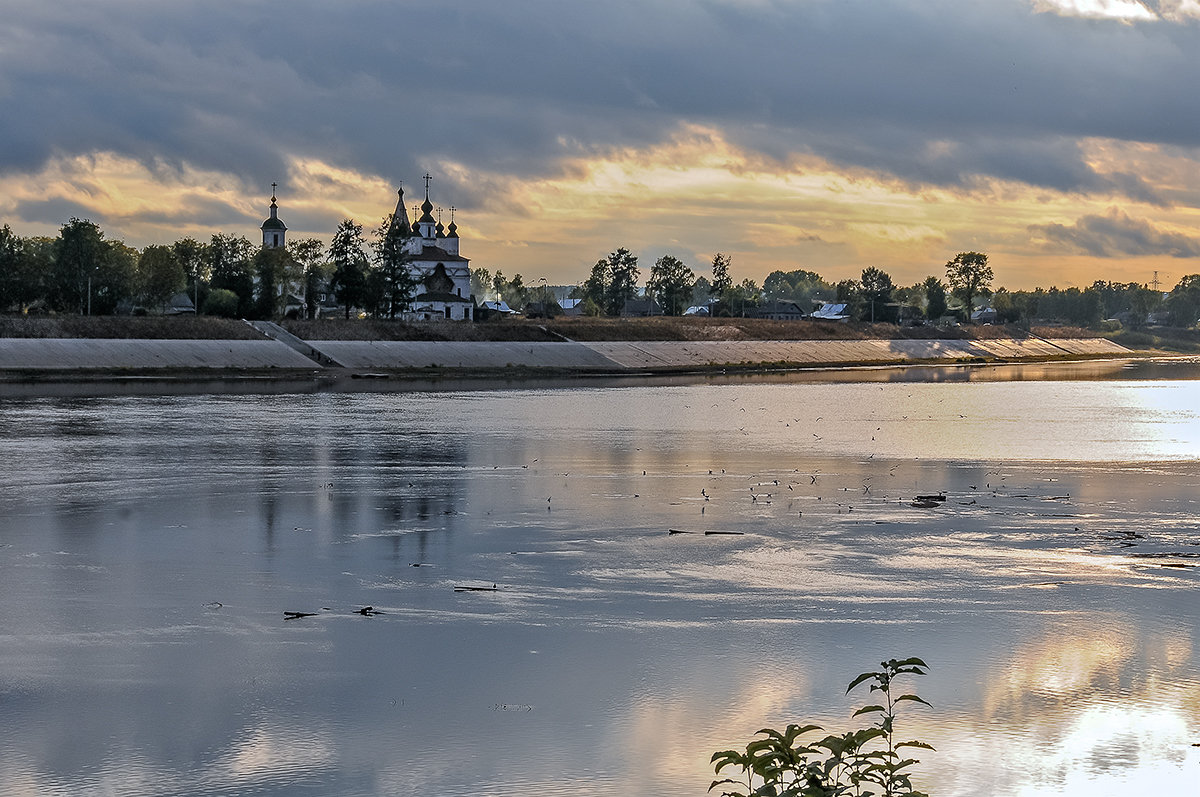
(443,276)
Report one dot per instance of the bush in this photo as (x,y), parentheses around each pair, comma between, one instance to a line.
(221,302)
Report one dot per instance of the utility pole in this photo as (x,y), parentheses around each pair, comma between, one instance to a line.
(1154,282)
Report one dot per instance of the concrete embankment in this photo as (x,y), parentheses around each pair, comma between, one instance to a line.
(49,356)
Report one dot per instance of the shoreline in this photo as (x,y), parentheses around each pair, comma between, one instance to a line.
(202,381)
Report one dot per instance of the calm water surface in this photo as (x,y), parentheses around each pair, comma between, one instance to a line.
(149,547)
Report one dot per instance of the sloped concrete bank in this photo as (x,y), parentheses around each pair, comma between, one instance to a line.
(41,358)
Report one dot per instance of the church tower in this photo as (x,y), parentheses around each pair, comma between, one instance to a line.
(273,229)
(400,225)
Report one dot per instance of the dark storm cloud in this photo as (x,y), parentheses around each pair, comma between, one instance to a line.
(201,211)
(52,211)
(932,92)
(1116,235)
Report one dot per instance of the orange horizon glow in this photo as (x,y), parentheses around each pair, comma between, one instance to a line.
(691,196)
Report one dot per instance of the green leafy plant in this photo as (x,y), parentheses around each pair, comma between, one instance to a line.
(864,762)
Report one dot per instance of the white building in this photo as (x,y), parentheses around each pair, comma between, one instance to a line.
(444,276)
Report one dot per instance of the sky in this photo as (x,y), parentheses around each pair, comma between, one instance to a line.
(1061,137)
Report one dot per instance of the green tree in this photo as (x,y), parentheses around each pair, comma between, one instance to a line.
(805,288)
(23,268)
(481,281)
(192,257)
(276,271)
(512,292)
(1183,304)
(935,298)
(230,262)
(309,256)
(721,281)
(741,298)
(969,276)
(159,276)
(671,284)
(374,296)
(623,279)
(398,284)
(221,302)
(1142,302)
(114,284)
(12,252)
(541,296)
(516,294)
(349,261)
(876,290)
(595,287)
(79,254)
(613,280)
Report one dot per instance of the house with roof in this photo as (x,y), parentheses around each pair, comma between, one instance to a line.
(778,310)
(831,311)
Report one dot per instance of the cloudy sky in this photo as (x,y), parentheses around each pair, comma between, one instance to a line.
(1062,137)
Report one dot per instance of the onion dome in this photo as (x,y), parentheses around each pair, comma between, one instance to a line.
(441,231)
(452,230)
(426,211)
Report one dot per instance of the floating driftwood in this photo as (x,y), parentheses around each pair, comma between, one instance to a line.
(298,615)
(492,588)
(706,534)
(368,611)
(925,503)
(935,498)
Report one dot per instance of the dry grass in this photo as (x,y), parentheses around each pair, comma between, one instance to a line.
(365,329)
(137,327)
(510,329)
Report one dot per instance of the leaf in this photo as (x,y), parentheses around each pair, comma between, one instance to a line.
(866,676)
(921,745)
(868,710)
(915,699)
(912,662)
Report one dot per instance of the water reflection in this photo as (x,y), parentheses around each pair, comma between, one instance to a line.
(145,565)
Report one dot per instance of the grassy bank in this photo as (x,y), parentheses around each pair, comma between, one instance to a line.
(1185,341)
(582,329)
(126,327)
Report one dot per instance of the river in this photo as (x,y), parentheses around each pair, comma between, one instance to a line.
(536,629)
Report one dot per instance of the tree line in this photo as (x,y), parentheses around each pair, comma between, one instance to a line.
(963,289)
(81,271)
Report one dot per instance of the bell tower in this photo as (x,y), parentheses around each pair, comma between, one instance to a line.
(273,229)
